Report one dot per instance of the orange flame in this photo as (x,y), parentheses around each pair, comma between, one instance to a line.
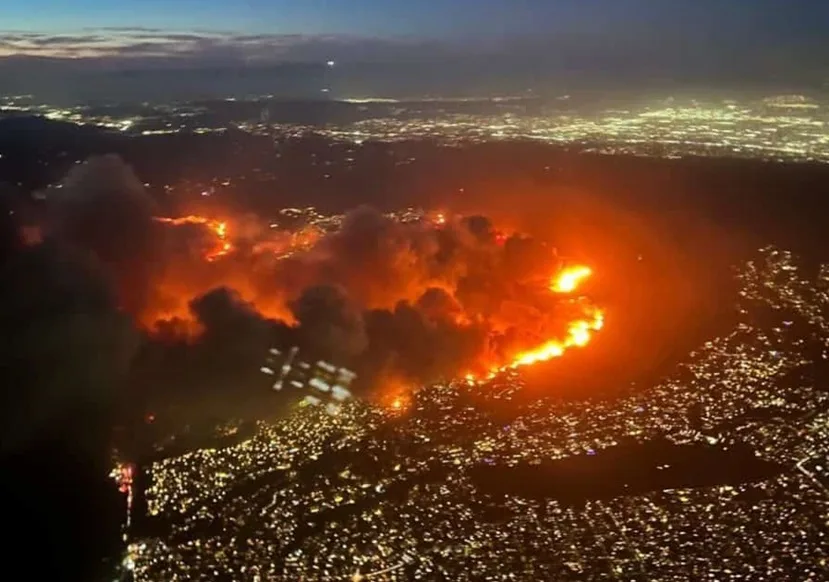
(579,331)
(569,279)
(579,334)
(219,228)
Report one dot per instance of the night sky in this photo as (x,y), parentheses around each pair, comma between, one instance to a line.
(422,18)
(450,20)
(716,39)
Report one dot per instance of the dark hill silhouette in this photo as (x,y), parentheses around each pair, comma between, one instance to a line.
(625,470)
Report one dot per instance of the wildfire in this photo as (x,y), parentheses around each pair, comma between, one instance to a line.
(223,245)
(579,331)
(569,279)
(579,334)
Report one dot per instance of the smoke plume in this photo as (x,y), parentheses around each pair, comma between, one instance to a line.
(417,300)
(65,354)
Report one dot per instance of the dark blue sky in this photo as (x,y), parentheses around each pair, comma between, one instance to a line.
(426,18)
(274,30)
(359,17)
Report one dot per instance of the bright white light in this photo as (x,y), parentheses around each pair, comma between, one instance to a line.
(319,385)
(330,63)
(128,563)
(340,393)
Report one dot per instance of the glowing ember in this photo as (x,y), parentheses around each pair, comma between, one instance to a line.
(219,228)
(398,404)
(569,279)
(31,235)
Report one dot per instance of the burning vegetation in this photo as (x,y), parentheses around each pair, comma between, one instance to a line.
(219,228)
(412,300)
(376,276)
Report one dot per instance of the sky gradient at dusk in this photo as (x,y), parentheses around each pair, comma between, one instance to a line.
(425,18)
(660,34)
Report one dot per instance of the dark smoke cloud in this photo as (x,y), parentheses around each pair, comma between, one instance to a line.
(65,345)
(102,207)
(438,305)
(330,322)
(419,348)
(234,340)
(480,227)
(412,300)
(223,312)
(377,260)
(214,373)
(65,353)
(420,302)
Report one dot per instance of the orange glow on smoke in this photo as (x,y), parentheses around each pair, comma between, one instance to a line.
(395,394)
(182,281)
(223,245)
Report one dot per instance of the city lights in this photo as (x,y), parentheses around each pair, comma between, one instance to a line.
(390,490)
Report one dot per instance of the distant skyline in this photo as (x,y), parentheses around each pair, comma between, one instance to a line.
(205,31)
